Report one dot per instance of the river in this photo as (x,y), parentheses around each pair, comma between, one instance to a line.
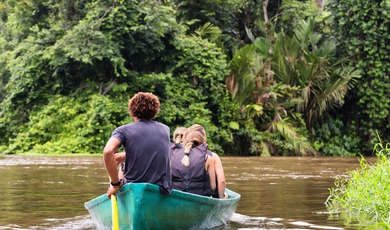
(39,192)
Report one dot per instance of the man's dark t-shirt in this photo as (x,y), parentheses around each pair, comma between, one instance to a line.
(146,144)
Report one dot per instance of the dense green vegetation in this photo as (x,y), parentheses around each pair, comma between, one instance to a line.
(264,77)
(361,30)
(362,198)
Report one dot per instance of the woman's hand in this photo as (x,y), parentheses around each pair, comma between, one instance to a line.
(225,196)
(120,157)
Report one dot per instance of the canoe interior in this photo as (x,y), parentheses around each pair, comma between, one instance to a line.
(142,206)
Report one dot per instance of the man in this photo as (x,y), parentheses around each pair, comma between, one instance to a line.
(146,143)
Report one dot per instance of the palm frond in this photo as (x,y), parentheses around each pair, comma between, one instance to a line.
(246,69)
(300,143)
(264,150)
(253,111)
(209,31)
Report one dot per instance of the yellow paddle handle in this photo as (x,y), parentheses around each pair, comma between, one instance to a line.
(114,207)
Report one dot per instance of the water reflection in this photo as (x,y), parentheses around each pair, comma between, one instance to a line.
(277,193)
(273,223)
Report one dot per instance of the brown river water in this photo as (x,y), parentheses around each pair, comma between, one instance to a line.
(276,192)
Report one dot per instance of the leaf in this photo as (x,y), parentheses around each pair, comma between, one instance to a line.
(234,125)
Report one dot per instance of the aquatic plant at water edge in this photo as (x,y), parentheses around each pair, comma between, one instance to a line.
(362,197)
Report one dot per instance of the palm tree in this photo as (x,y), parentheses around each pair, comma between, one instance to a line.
(307,62)
(276,81)
(265,104)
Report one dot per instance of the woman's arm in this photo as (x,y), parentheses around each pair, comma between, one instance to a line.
(220,175)
(120,157)
(209,165)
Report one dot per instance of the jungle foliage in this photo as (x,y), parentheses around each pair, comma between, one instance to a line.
(263,78)
(362,34)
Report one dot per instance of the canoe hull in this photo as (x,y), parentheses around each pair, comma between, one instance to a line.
(142,206)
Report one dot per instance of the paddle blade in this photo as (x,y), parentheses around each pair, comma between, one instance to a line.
(114,207)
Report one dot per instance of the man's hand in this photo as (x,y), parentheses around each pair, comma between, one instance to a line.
(112,190)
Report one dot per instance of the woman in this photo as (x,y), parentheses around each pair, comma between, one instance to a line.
(178,140)
(219,173)
(193,169)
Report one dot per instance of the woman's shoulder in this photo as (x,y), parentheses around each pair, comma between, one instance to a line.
(176,146)
(215,155)
(208,151)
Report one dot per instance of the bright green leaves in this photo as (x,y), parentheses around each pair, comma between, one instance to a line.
(70,125)
(363,197)
(234,125)
(195,91)
(204,64)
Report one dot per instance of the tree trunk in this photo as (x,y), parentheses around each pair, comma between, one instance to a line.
(265,4)
(267,31)
(320,4)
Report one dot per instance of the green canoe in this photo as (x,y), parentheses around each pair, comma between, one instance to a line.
(142,206)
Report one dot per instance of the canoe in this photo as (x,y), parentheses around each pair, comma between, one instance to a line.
(142,206)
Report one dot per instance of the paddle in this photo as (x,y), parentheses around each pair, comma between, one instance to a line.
(114,207)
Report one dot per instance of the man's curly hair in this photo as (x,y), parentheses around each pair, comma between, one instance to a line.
(144,106)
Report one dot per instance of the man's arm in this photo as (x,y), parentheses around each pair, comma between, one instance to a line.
(109,151)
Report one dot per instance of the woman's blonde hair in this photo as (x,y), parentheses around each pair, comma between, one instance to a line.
(178,134)
(193,139)
(196,127)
